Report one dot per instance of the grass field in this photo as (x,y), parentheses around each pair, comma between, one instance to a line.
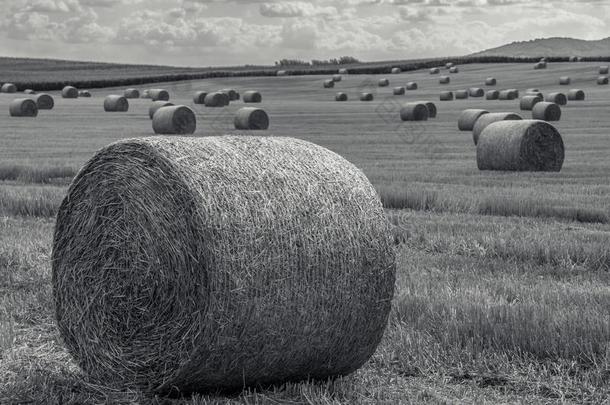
(503,290)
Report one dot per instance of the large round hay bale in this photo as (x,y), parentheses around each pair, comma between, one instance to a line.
(534,93)
(469,117)
(252,96)
(507,95)
(329,84)
(340,97)
(454,69)
(603,70)
(461,94)
(432,110)
(337,78)
(69,92)
(366,97)
(398,91)
(546,111)
(444,80)
(540,65)
(343,71)
(414,112)
(44,101)
(528,102)
(476,92)
(174,120)
(515,92)
(155,105)
(232,93)
(557,98)
(573,59)
(492,95)
(199,97)
(411,86)
(158,94)
(446,96)
(145,94)
(8,88)
(565,80)
(115,103)
(216,99)
(250,118)
(396,70)
(576,95)
(449,65)
(435,71)
(29,91)
(281,73)
(84,93)
(528,145)
(132,93)
(491,81)
(490,118)
(23,107)
(602,80)
(215,263)
(383,83)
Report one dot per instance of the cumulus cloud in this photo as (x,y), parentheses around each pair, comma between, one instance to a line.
(295,9)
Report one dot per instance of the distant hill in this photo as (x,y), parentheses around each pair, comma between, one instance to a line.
(551,47)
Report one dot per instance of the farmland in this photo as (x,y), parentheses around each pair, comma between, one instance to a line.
(503,287)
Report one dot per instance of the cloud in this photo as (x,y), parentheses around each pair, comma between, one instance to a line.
(295,9)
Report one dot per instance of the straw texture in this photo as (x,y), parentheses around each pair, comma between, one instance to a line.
(174,120)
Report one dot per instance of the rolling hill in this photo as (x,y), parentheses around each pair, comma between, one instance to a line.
(551,47)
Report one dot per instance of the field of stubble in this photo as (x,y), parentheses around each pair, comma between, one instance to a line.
(503,287)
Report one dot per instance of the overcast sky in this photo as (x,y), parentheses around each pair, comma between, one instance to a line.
(226,32)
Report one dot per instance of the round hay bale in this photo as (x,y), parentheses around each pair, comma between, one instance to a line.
(115,103)
(534,93)
(174,120)
(340,97)
(454,69)
(329,84)
(216,99)
(158,94)
(574,59)
(546,111)
(383,83)
(603,70)
(343,71)
(557,98)
(281,73)
(411,86)
(432,110)
(366,97)
(446,96)
(155,105)
(250,118)
(507,95)
(398,91)
(84,93)
(414,112)
(220,262)
(461,94)
(69,92)
(435,71)
(564,80)
(576,95)
(528,102)
(492,95)
(602,80)
(145,94)
(396,70)
(540,65)
(528,145)
(476,92)
(490,118)
(491,81)
(444,80)
(8,88)
(232,93)
(515,92)
(23,107)
(337,78)
(469,117)
(44,101)
(449,65)
(199,97)
(132,93)
(252,96)
(29,91)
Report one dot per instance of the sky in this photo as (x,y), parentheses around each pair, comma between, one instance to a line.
(239,32)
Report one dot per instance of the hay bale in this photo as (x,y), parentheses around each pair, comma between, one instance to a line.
(469,117)
(435,71)
(492,95)
(540,65)
(216,99)
(145,94)
(281,73)
(329,84)
(396,70)
(528,102)
(84,93)
(23,107)
(174,120)
(557,98)
(534,93)
(158,94)
(574,59)
(446,96)
(115,103)
(252,96)
(383,82)
(449,65)
(444,80)
(398,91)
(507,95)
(491,81)
(132,93)
(565,80)
(602,80)
(461,94)
(232,93)
(44,101)
(546,111)
(432,110)
(343,71)
(515,92)
(340,97)
(490,118)
(250,118)
(411,86)
(576,95)
(337,78)
(155,105)
(366,97)
(199,97)
(528,145)
(220,262)
(69,92)
(476,92)
(8,88)
(454,69)
(604,70)
(29,91)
